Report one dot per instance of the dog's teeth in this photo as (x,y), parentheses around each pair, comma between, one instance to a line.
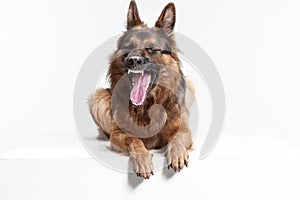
(136,72)
(132,80)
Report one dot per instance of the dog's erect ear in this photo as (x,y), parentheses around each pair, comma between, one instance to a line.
(133,18)
(167,19)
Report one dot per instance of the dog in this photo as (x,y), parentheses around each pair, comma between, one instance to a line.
(147,104)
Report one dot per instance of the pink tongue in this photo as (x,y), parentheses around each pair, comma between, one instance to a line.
(138,92)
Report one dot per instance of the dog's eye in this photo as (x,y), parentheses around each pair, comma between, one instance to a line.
(129,46)
(166,52)
(152,51)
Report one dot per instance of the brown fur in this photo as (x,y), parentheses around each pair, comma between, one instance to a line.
(172,92)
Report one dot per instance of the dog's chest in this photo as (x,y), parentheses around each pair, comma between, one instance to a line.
(140,115)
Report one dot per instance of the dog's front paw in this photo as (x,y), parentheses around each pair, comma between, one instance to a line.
(142,164)
(177,156)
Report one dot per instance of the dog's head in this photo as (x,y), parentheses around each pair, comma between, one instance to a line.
(146,54)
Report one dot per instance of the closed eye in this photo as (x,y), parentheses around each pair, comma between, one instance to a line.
(153,51)
(129,46)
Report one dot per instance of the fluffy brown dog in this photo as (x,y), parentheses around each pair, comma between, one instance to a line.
(147,104)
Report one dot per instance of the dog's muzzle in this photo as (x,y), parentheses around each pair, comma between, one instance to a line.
(136,62)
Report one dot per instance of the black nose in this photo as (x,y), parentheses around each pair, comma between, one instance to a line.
(135,61)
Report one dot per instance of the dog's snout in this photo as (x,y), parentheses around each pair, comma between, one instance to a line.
(135,61)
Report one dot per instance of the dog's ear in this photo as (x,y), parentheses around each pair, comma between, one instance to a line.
(167,19)
(133,18)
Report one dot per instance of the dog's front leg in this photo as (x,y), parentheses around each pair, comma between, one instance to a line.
(139,155)
(178,147)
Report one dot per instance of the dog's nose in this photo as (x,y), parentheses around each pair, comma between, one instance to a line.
(134,61)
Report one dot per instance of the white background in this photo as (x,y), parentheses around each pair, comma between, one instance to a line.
(254,44)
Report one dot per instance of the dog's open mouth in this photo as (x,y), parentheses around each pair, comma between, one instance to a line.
(141,83)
